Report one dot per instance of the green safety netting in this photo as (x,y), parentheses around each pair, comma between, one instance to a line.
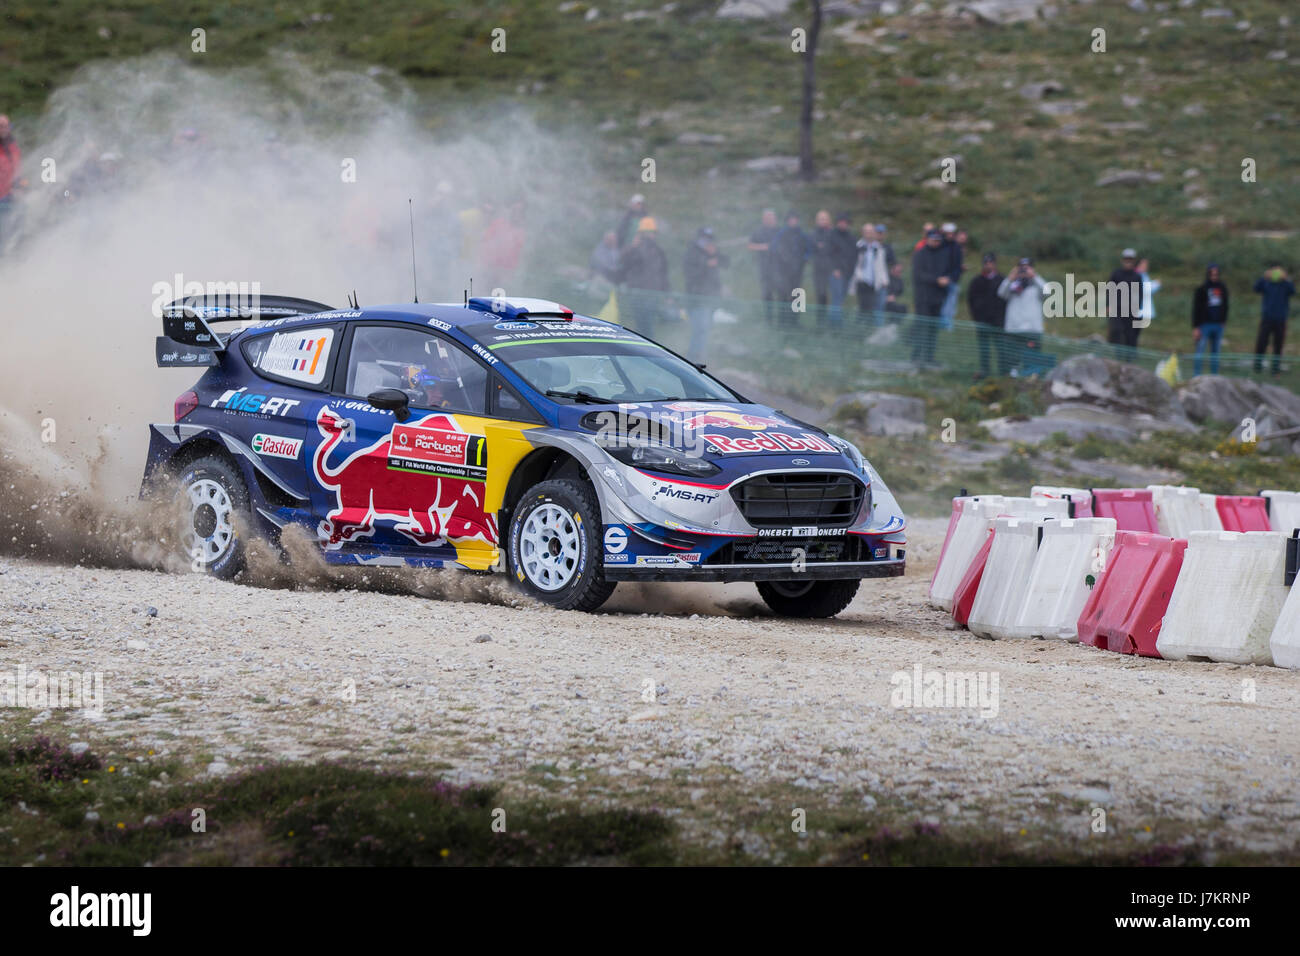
(818,348)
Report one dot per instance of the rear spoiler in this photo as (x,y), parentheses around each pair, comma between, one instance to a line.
(188,339)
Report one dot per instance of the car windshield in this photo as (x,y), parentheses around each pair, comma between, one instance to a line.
(611,364)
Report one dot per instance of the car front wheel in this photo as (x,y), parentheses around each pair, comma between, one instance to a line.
(555,545)
(808,598)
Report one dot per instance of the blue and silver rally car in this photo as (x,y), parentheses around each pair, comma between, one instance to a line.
(505,435)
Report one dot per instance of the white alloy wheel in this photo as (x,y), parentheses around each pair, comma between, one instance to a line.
(549,547)
(211,531)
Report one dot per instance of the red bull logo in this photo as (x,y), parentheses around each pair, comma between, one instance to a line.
(413,477)
(770,442)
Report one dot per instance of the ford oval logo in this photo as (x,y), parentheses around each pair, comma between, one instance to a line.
(800,461)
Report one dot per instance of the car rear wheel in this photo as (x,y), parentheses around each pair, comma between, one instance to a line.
(555,545)
(213,505)
(808,598)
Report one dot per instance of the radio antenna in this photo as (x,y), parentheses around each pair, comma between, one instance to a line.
(415,287)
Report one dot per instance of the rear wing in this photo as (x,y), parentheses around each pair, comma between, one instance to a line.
(188,339)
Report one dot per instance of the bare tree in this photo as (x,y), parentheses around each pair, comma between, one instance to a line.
(806,168)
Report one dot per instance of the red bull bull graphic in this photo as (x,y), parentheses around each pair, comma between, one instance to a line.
(722,419)
(427,477)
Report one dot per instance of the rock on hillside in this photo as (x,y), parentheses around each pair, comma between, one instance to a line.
(882,413)
(1117,386)
(1214,398)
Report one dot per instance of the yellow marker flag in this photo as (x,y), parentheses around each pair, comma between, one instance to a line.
(610,310)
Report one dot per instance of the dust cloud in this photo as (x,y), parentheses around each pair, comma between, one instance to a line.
(277,174)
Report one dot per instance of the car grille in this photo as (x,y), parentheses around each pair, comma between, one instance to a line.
(822,499)
(786,550)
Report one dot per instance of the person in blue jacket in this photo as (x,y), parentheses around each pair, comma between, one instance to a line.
(1275,290)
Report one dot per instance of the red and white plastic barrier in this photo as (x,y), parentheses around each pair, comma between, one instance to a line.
(1130,507)
(1125,610)
(1228,597)
(967,527)
(1080,499)
(1243,512)
(1072,554)
(1283,510)
(1001,594)
(1180,510)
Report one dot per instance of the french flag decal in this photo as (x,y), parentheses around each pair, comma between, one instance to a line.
(309,355)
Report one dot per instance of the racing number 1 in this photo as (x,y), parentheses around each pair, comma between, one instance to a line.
(480,452)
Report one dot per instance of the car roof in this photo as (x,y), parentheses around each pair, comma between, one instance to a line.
(455,314)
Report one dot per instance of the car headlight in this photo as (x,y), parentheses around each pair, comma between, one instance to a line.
(661,458)
(859,462)
(851,451)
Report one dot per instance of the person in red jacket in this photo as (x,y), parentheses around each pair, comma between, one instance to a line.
(10,157)
(503,245)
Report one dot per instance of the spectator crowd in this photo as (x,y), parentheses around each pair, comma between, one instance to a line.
(856,275)
(845,274)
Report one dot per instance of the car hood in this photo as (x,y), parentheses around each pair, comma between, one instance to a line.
(722,432)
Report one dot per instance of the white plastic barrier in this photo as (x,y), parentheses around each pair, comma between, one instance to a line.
(1210,520)
(1071,551)
(1001,594)
(973,523)
(1283,510)
(1178,510)
(1079,496)
(1227,598)
(1285,640)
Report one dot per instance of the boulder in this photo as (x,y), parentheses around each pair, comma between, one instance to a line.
(1217,398)
(1031,431)
(883,413)
(1132,421)
(752,9)
(1127,177)
(1117,386)
(1039,91)
(1003,12)
(773,164)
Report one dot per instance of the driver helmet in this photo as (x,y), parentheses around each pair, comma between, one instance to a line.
(421,381)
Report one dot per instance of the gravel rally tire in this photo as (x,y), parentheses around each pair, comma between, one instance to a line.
(556,548)
(213,504)
(808,598)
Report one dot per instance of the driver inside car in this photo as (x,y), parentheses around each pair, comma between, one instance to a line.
(426,389)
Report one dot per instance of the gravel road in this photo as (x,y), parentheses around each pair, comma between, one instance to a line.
(745,706)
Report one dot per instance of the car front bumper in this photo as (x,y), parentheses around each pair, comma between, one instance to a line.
(818,571)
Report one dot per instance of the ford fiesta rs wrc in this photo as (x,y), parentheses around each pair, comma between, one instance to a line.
(504,435)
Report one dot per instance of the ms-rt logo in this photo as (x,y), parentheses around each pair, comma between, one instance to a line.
(251,403)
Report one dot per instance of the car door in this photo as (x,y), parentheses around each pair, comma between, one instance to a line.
(274,413)
(412,489)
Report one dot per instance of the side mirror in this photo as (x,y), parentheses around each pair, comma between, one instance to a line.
(393,400)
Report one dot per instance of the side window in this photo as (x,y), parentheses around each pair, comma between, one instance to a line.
(433,372)
(300,355)
(507,403)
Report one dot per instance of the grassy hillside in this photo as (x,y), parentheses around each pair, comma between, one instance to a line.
(1176,95)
